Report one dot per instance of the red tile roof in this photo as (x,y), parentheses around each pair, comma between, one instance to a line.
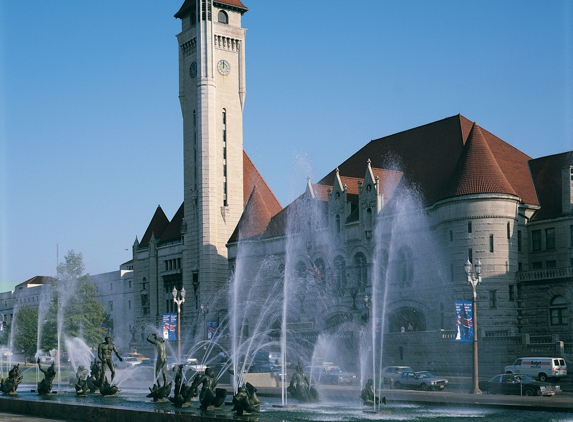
(546,173)
(259,201)
(477,170)
(428,154)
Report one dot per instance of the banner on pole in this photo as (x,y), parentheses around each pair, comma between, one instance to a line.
(170,326)
(212,327)
(464,320)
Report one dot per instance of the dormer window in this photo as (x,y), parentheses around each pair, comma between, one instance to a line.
(223,17)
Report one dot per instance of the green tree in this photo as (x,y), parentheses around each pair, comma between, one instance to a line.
(74,305)
(25,329)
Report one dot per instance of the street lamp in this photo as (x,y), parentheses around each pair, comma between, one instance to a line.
(204,311)
(474,278)
(178,302)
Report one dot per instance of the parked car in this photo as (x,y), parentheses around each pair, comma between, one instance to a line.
(130,362)
(518,384)
(264,367)
(329,374)
(393,372)
(539,367)
(423,380)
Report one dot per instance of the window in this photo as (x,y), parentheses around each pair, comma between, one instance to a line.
(111,305)
(519,241)
(340,274)
(470,255)
(361,270)
(110,286)
(551,264)
(469,226)
(129,305)
(550,238)
(558,311)
(337,219)
(536,265)
(451,236)
(224,123)
(222,17)
(491,243)
(536,240)
(508,230)
(493,299)
(129,284)
(511,292)
(145,304)
(405,267)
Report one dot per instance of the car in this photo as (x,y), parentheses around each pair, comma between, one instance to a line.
(518,384)
(264,367)
(329,374)
(423,380)
(392,372)
(131,362)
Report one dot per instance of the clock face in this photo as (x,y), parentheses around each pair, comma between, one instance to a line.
(223,67)
(193,69)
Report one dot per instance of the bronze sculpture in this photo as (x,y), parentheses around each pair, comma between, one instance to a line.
(10,384)
(369,397)
(300,387)
(182,393)
(246,400)
(104,351)
(209,395)
(45,386)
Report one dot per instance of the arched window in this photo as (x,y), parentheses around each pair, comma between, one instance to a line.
(223,17)
(360,270)
(300,270)
(339,275)
(405,267)
(558,311)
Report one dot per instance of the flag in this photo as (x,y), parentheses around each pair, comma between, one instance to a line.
(314,270)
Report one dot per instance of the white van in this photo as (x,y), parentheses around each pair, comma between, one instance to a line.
(541,368)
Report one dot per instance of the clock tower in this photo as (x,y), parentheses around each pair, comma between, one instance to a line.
(212,94)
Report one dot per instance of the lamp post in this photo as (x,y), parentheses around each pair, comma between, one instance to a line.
(367,304)
(204,311)
(178,301)
(474,278)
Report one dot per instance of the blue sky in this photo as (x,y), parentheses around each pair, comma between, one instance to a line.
(91,129)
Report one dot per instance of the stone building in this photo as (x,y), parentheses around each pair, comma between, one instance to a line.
(382,239)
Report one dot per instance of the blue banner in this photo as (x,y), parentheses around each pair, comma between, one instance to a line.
(170,326)
(464,320)
(212,327)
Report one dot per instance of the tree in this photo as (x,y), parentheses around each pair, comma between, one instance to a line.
(25,329)
(74,311)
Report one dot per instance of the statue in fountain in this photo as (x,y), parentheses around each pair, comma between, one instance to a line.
(369,397)
(10,384)
(300,387)
(182,392)
(81,381)
(45,386)
(159,392)
(209,395)
(161,360)
(246,400)
(104,351)
(94,377)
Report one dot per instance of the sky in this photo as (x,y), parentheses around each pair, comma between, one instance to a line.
(91,127)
